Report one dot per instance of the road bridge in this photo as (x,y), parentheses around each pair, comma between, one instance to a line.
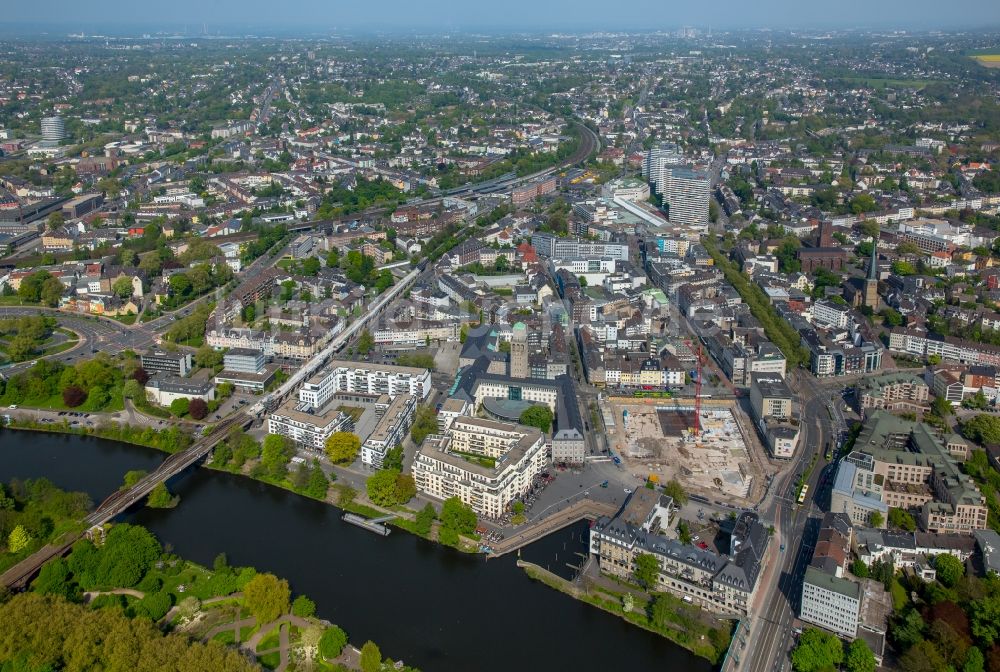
(18,576)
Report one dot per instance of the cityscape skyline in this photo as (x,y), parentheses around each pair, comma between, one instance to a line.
(518,15)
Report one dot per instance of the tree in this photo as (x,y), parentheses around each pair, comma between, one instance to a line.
(122,287)
(424,521)
(922,657)
(984,619)
(859,568)
(332,642)
(892,317)
(180,406)
(859,657)
(661,610)
(394,458)
(537,416)
(343,447)
(208,357)
(132,477)
(303,607)
(51,292)
(18,539)
(132,390)
(901,519)
(949,569)
(73,396)
(870,228)
(160,497)
(974,661)
(457,516)
(299,477)
(816,651)
(647,570)
(908,629)
(876,519)
(675,491)
(983,429)
(47,632)
(365,342)
(424,424)
(406,488)
(56,220)
(318,484)
(941,407)
(371,657)
(54,579)
(127,554)
(381,487)
(266,597)
(197,409)
(276,454)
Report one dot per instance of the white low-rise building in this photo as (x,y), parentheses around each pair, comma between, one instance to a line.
(343,376)
(307,429)
(163,389)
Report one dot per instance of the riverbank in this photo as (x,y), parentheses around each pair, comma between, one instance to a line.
(688,632)
(348,571)
(343,497)
(672,619)
(235,607)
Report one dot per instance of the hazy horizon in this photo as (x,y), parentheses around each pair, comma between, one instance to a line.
(317,16)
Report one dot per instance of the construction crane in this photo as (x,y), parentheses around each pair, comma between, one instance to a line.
(697,389)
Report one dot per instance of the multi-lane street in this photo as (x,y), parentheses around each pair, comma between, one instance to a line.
(771,630)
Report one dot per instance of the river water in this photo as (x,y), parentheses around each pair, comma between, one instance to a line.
(423,603)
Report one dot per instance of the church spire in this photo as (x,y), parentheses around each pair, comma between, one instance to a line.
(873,263)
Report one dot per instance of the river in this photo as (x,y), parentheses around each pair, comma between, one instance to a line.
(428,605)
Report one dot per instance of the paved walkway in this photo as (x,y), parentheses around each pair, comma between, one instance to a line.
(176,608)
(236,626)
(585,508)
(91,594)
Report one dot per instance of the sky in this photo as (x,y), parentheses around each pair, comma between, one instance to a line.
(502,15)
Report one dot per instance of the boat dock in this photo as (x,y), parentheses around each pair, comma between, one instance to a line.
(375,525)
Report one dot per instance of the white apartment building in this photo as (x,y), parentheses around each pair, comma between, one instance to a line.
(310,430)
(418,333)
(831,602)
(686,192)
(830,314)
(452,409)
(341,376)
(390,430)
(518,454)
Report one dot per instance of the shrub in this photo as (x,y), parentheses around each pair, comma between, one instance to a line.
(73,396)
(332,643)
(197,409)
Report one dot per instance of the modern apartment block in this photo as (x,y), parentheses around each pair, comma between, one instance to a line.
(53,128)
(906,464)
(174,363)
(390,430)
(771,403)
(720,582)
(243,360)
(343,376)
(686,192)
(458,464)
(895,392)
(834,600)
(306,428)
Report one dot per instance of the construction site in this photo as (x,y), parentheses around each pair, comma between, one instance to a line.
(711,450)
